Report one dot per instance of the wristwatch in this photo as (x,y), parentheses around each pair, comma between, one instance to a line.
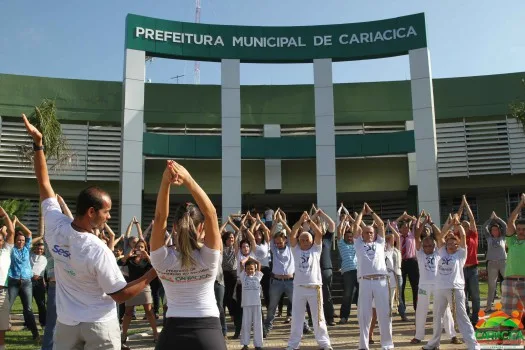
(37,148)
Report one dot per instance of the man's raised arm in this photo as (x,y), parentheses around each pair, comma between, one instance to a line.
(44,185)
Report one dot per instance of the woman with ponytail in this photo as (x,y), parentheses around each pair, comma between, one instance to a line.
(188,269)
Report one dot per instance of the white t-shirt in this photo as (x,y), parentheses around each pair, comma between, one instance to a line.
(38,264)
(262,254)
(450,269)
(251,289)
(427,267)
(268,215)
(85,270)
(370,257)
(5,263)
(307,265)
(190,292)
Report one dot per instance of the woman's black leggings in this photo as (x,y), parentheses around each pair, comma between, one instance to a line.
(199,333)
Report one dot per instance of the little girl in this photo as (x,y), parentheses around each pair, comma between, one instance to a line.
(251,303)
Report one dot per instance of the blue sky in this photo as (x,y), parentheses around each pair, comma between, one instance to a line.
(85,40)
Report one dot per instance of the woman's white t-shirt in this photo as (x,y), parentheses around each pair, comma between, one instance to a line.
(262,254)
(307,265)
(190,291)
(370,257)
(427,267)
(450,269)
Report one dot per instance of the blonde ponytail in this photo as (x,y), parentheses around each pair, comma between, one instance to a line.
(186,240)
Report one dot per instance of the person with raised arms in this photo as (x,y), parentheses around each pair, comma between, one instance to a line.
(495,231)
(283,269)
(470,270)
(450,284)
(426,258)
(513,287)
(89,282)
(307,283)
(345,244)
(189,269)
(373,279)
(7,240)
(246,248)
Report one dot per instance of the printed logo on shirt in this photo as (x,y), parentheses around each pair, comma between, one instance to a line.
(370,250)
(62,252)
(70,272)
(495,243)
(251,283)
(446,265)
(185,276)
(304,262)
(430,263)
(422,292)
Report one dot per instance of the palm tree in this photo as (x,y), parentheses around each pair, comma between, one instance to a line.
(15,207)
(517,109)
(56,148)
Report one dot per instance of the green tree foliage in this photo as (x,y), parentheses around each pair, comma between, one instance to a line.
(16,207)
(517,109)
(56,148)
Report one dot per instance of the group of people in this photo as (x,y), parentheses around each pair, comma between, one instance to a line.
(202,269)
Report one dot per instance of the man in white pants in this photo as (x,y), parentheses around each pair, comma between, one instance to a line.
(450,284)
(307,283)
(373,279)
(426,258)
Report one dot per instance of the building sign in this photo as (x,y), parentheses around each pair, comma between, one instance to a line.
(341,42)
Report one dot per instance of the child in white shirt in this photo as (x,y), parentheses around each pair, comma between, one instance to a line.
(251,303)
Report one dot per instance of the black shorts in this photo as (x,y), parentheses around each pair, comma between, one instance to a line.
(199,333)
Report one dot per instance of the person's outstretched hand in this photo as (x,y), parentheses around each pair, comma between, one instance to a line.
(32,131)
(182,175)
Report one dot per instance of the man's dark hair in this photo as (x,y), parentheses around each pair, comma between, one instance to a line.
(90,197)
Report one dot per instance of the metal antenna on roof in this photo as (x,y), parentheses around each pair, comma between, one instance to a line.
(197,65)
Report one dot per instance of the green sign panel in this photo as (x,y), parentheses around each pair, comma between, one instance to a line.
(341,42)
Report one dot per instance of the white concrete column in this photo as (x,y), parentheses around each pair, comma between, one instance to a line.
(132,123)
(325,137)
(412,167)
(231,137)
(272,167)
(424,132)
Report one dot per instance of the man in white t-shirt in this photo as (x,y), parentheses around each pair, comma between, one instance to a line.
(450,284)
(7,238)
(307,283)
(88,278)
(373,279)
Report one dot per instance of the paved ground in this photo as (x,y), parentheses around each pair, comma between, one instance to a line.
(342,336)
